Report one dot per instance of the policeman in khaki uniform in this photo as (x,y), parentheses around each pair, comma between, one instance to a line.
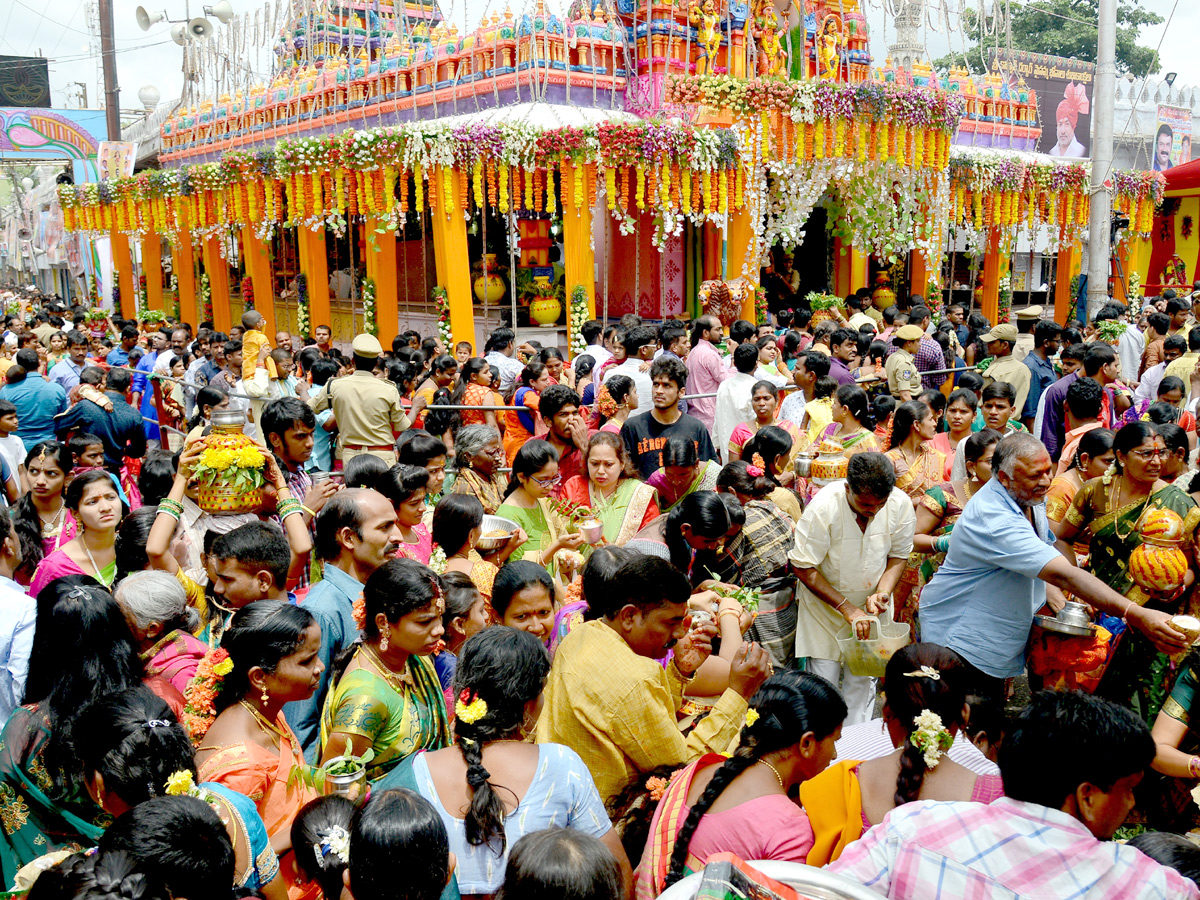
(904,381)
(367,409)
(1000,342)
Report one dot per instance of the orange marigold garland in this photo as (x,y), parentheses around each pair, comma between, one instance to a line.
(199,710)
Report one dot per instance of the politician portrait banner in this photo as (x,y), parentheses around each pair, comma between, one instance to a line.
(1172,138)
(1064,97)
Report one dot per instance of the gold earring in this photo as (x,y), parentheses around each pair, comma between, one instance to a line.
(383,643)
(265,696)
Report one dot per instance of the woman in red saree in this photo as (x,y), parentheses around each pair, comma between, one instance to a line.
(610,490)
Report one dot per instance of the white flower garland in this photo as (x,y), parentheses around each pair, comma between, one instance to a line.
(931,737)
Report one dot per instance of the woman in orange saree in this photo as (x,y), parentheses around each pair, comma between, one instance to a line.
(270,658)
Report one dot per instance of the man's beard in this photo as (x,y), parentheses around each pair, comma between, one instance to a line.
(1024,503)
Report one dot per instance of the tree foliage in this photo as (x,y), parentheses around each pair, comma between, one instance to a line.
(1062,28)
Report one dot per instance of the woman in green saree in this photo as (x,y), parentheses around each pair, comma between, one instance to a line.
(388,697)
(82,651)
(1113,506)
(531,486)
(610,490)
(1166,794)
(682,473)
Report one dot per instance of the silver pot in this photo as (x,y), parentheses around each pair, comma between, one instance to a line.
(352,786)
(803,465)
(1074,614)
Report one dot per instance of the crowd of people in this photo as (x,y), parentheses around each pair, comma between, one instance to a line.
(514,623)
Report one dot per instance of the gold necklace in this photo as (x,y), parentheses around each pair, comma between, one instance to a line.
(1114,499)
(274,731)
(775,772)
(400,683)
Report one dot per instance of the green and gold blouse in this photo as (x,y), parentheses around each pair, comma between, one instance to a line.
(399,716)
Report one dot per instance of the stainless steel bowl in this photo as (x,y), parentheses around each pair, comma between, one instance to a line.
(495,523)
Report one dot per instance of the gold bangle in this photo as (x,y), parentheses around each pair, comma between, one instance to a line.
(311,514)
(730,612)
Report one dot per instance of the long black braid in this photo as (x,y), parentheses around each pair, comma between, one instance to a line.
(500,670)
(788,706)
(909,694)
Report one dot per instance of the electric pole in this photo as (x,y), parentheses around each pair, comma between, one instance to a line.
(1103,100)
(108,53)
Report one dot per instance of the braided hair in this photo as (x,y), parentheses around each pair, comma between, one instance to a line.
(505,668)
(908,695)
(789,705)
(110,875)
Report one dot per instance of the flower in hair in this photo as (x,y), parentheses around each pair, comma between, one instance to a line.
(931,737)
(657,787)
(751,717)
(334,848)
(605,404)
(758,461)
(470,710)
(182,784)
(359,612)
(925,672)
(754,471)
(199,711)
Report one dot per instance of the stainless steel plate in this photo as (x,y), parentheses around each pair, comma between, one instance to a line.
(1052,624)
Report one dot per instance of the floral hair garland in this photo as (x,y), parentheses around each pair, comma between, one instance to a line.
(359,611)
(469,710)
(931,737)
(605,404)
(333,849)
(199,711)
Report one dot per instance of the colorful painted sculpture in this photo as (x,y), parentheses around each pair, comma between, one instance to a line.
(708,37)
(829,49)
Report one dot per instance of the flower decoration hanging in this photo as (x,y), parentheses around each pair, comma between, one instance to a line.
(441,301)
(579,316)
(370,323)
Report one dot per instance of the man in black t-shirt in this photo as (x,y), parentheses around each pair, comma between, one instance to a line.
(646,434)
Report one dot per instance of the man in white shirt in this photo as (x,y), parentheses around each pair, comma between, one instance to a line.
(18,612)
(591,331)
(498,352)
(733,397)
(858,318)
(852,544)
(640,343)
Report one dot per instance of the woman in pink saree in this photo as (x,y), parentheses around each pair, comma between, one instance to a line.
(156,607)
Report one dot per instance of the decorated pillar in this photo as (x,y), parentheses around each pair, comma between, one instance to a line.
(849,268)
(450,252)
(579,259)
(740,243)
(314,262)
(992,264)
(918,278)
(123,268)
(1066,266)
(152,269)
(183,264)
(258,267)
(217,270)
(381,266)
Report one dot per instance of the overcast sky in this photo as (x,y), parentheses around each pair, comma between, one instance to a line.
(58,31)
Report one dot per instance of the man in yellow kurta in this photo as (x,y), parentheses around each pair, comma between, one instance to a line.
(611,701)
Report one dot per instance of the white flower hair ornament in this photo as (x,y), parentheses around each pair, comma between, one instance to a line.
(334,848)
(931,737)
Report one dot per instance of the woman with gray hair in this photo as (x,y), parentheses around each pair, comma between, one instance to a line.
(156,608)
(480,458)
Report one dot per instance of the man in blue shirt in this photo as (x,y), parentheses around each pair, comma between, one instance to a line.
(981,601)
(117,424)
(143,391)
(37,400)
(66,371)
(119,355)
(356,533)
(1046,334)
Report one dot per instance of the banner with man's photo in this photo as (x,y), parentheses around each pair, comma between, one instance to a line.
(1172,138)
(1064,97)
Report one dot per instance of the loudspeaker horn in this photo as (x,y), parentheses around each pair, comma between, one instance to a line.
(146,19)
(200,28)
(222,11)
(179,34)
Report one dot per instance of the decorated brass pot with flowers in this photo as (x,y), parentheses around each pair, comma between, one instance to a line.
(830,464)
(230,469)
(1158,564)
